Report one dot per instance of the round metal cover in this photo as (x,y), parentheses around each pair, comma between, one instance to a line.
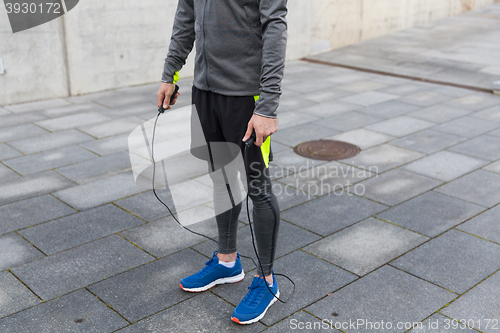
(327,150)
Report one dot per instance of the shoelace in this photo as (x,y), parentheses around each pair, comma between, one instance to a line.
(207,268)
(256,292)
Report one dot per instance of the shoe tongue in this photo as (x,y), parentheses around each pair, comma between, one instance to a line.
(257,281)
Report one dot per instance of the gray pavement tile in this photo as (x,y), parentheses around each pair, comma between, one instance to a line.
(7,173)
(291,103)
(389,109)
(203,313)
(15,251)
(480,187)
(166,236)
(387,295)
(404,89)
(71,109)
(294,118)
(428,141)
(431,213)
(304,269)
(369,98)
(366,245)
(495,132)
(438,323)
(14,296)
(463,260)
(453,91)
(39,105)
(395,186)
(103,191)
(494,167)
(144,205)
(277,147)
(476,101)
(119,98)
(300,321)
(382,158)
(7,152)
(4,112)
(347,77)
(444,165)
(324,95)
(467,126)
(362,138)
(329,109)
(348,121)
(439,113)
(484,225)
(75,312)
(486,147)
(113,127)
(108,145)
(289,160)
(479,304)
(361,86)
(25,213)
(293,136)
(31,186)
(132,110)
(426,98)
(69,270)
(17,132)
(72,121)
(400,126)
(158,288)
(50,159)
(492,113)
(79,228)
(309,86)
(50,141)
(101,167)
(22,118)
(331,213)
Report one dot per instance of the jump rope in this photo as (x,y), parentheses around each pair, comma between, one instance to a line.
(248,144)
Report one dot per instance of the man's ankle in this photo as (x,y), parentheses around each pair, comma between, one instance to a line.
(230,257)
(269,278)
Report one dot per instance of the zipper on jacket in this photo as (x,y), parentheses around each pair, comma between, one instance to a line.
(204,51)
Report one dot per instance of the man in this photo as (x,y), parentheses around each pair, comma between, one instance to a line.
(240,56)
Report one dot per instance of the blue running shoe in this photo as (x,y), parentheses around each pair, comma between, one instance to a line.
(212,274)
(255,304)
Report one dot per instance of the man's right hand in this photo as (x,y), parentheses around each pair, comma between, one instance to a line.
(166,90)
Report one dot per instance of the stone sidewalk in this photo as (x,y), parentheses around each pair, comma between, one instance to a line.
(405,232)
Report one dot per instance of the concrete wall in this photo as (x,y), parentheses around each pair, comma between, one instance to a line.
(103,45)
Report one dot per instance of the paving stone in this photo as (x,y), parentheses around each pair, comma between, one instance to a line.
(15,251)
(362,138)
(14,296)
(65,271)
(132,110)
(103,191)
(480,187)
(389,109)
(4,112)
(494,167)
(277,147)
(321,96)
(395,186)
(29,212)
(382,158)
(30,186)
(113,127)
(79,228)
(347,78)
(70,109)
(293,136)
(492,113)
(78,311)
(453,91)
(304,270)
(484,225)
(16,119)
(7,152)
(291,103)
(404,89)
(107,146)
(486,147)
(332,212)
(290,161)
(308,86)
(369,98)
(294,118)
(426,98)
(101,167)
(6,172)
(475,101)
(386,294)
(50,141)
(324,110)
(39,105)
(463,260)
(17,132)
(428,141)
(144,205)
(366,245)
(301,321)
(72,121)
(361,86)
(118,98)
(159,288)
(348,121)
(479,305)
(444,165)
(439,113)
(400,126)
(51,159)
(431,213)
(467,126)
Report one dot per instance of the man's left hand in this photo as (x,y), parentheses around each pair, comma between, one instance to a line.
(263,127)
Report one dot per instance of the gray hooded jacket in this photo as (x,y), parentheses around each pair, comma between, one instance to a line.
(240,48)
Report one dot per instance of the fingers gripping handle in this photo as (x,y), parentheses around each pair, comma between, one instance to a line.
(161,109)
(251,139)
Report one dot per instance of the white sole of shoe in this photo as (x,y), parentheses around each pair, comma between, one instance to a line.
(232,279)
(251,321)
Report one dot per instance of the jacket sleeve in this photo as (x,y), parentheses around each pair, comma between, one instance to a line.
(181,42)
(274,37)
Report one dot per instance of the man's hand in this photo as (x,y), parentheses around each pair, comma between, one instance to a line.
(263,127)
(166,90)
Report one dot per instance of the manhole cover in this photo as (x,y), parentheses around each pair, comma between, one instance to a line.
(326,150)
